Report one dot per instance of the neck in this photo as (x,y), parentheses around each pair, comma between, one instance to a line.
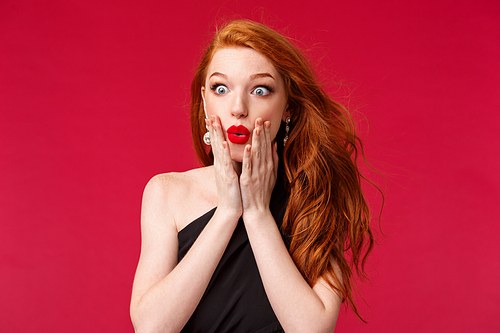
(237,167)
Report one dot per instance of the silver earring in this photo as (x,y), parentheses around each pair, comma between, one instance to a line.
(206,137)
(287,129)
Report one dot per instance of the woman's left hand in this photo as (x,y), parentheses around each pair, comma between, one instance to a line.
(258,171)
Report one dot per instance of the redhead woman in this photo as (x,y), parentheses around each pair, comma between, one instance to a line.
(267,235)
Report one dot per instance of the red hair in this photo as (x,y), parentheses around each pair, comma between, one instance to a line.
(327,216)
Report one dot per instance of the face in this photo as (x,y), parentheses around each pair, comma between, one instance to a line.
(241,86)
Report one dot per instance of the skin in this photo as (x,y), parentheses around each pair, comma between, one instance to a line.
(244,76)
(240,183)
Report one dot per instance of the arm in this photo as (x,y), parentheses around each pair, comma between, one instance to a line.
(299,307)
(166,293)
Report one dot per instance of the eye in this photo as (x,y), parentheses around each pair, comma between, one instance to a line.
(262,91)
(219,89)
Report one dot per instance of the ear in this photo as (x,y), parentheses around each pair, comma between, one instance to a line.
(286,113)
(204,103)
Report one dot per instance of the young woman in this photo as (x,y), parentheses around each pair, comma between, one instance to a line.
(256,240)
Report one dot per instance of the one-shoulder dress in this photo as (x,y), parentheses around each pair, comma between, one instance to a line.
(235,300)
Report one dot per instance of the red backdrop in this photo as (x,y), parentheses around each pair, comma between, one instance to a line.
(93,102)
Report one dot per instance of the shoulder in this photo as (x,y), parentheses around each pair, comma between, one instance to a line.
(166,198)
(178,184)
(181,195)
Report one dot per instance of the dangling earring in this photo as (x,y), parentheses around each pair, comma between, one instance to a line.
(206,137)
(287,129)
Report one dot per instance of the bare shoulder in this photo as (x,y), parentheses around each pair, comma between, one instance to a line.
(169,201)
(184,195)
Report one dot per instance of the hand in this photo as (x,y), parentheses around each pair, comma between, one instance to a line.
(226,178)
(258,172)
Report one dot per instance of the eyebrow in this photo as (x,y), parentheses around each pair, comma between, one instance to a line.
(259,75)
(252,77)
(218,74)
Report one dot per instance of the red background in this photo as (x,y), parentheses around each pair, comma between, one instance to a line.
(93,102)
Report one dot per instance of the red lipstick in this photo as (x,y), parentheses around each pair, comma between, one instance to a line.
(238,134)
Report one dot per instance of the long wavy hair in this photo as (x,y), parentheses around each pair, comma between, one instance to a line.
(327,216)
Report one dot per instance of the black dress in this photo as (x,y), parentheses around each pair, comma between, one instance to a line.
(235,300)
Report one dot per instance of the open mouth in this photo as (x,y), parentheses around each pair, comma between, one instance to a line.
(238,134)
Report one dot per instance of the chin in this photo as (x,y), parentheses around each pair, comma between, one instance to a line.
(237,154)
(237,158)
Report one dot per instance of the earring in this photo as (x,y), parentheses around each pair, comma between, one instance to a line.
(287,129)
(206,137)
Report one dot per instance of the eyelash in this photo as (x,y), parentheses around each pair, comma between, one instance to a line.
(271,90)
(216,85)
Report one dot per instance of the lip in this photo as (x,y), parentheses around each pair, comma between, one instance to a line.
(238,134)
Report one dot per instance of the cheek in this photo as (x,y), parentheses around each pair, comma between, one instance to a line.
(209,106)
(212,103)
(275,128)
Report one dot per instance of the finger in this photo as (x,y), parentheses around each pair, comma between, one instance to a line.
(256,143)
(221,133)
(268,149)
(208,126)
(218,137)
(215,143)
(214,130)
(221,145)
(228,164)
(247,159)
(263,137)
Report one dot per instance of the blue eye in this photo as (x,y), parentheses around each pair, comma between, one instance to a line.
(262,91)
(219,89)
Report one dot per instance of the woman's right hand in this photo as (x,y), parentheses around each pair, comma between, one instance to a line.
(226,178)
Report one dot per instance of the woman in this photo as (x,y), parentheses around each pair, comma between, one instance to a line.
(256,240)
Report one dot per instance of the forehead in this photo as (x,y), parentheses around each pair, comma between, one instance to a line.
(240,61)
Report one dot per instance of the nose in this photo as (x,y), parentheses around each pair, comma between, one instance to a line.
(239,108)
